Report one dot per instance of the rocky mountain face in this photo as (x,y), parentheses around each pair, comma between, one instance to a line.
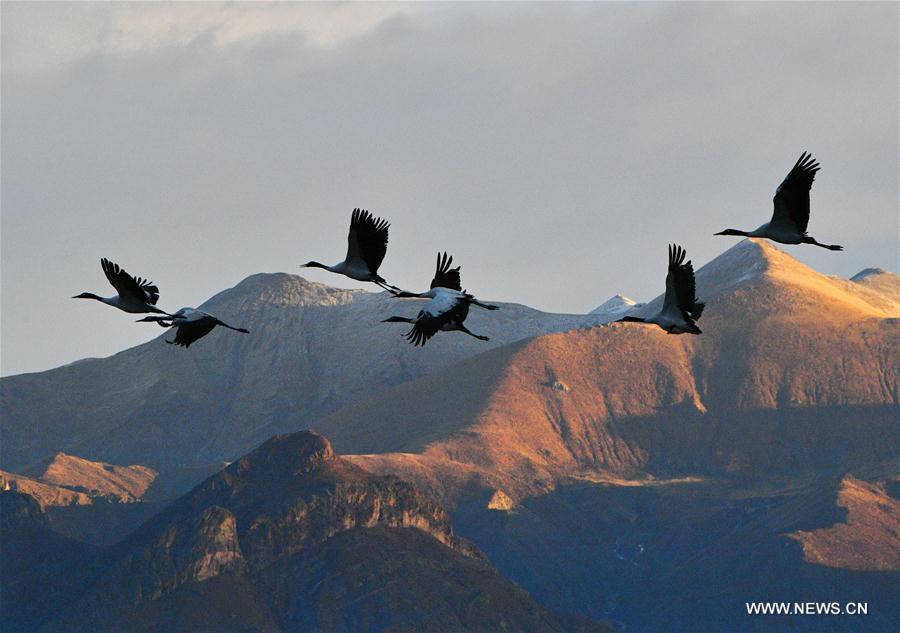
(293,537)
(312,349)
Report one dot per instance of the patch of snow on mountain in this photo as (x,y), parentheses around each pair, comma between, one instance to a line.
(614,308)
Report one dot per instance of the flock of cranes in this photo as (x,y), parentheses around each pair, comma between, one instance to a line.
(448,303)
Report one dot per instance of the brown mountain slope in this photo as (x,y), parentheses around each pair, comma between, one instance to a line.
(43,493)
(794,374)
(99,479)
(869,538)
(93,502)
(294,537)
(67,480)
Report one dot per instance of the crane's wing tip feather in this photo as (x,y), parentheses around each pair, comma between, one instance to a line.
(806,163)
(676,255)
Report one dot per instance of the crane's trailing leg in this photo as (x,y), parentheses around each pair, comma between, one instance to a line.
(831,247)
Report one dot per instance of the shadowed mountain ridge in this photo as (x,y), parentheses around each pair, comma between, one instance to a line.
(285,538)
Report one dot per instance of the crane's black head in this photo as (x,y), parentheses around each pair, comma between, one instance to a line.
(732,232)
(87,295)
(313,265)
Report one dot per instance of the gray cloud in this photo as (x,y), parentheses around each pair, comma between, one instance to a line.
(553,149)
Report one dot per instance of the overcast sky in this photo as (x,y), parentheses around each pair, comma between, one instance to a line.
(553,149)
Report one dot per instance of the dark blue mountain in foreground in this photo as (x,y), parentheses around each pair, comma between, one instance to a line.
(292,537)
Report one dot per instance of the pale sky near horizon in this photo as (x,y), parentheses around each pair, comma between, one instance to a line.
(553,149)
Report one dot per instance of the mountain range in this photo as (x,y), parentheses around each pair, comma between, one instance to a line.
(606,471)
(794,375)
(312,350)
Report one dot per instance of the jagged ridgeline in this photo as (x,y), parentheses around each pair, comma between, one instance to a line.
(292,537)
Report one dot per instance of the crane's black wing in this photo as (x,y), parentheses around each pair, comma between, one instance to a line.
(791,199)
(681,287)
(428,323)
(190,331)
(367,240)
(126,285)
(444,276)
